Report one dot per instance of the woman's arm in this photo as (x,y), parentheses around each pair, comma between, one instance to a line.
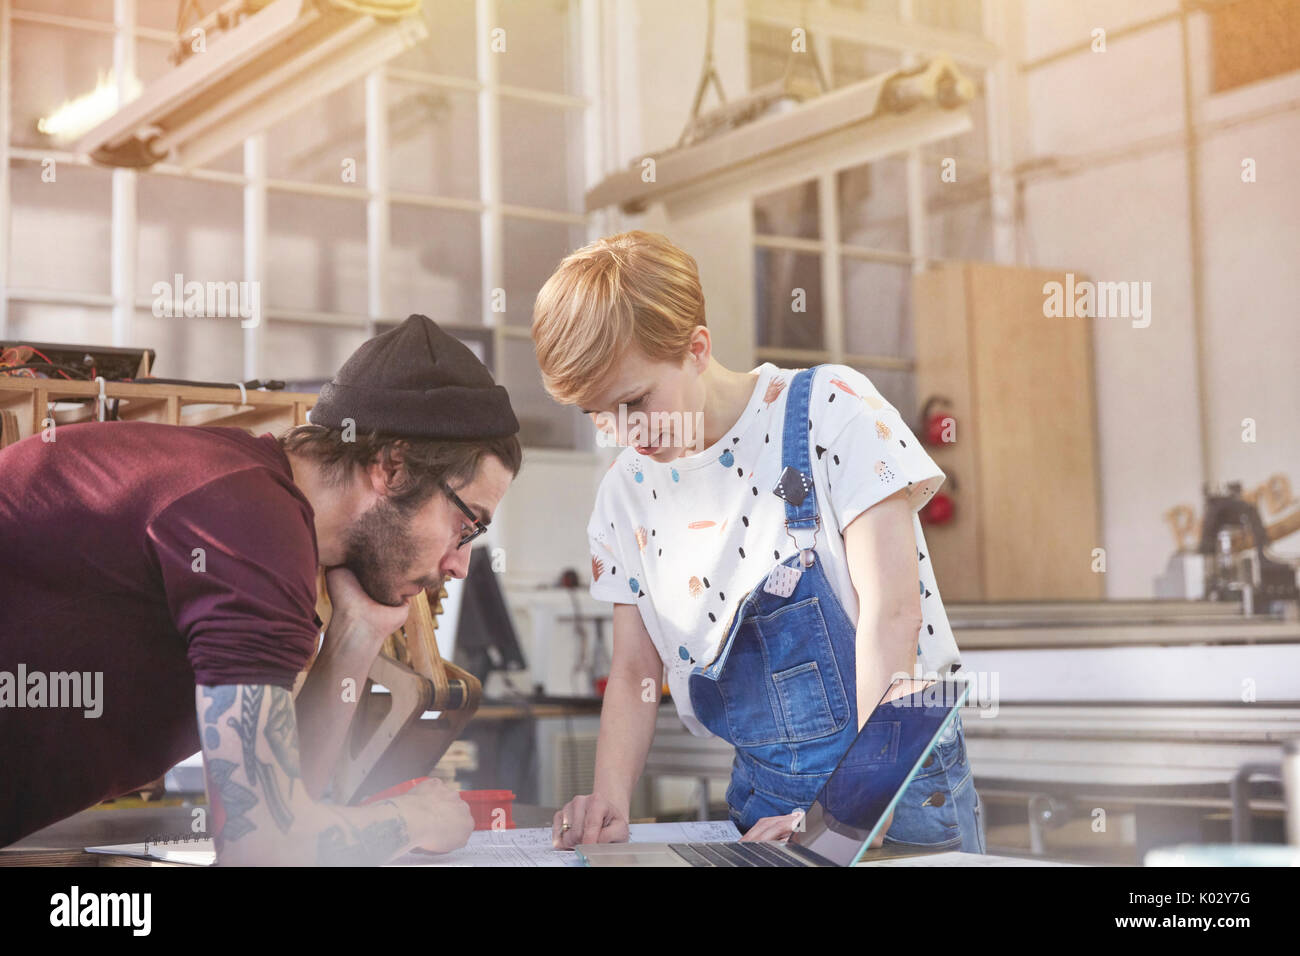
(627,722)
(627,728)
(881,549)
(883,566)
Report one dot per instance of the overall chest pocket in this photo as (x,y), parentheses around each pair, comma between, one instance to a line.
(781,682)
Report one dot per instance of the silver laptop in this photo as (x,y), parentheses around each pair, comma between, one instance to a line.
(851,808)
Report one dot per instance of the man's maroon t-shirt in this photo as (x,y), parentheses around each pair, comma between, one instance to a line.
(161,557)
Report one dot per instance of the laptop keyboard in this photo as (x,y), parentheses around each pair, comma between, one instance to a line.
(732,854)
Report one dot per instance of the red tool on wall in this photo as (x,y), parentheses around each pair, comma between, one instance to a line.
(939,427)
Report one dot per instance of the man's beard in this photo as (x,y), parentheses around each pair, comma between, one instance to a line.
(380,551)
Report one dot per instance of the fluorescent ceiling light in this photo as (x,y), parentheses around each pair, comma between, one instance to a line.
(276,60)
(76,116)
(847,127)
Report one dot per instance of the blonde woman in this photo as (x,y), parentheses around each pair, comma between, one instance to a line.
(728,476)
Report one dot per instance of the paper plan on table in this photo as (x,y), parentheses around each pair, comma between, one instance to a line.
(527,847)
(532,846)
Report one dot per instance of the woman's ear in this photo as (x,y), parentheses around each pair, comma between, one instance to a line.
(700,348)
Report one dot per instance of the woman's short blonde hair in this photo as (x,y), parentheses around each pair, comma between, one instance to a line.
(635,288)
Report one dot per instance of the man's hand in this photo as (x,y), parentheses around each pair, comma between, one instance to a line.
(260,812)
(591,819)
(355,633)
(442,814)
(355,613)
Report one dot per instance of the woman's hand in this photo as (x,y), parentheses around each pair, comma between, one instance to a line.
(591,819)
(780,828)
(879,841)
(775,828)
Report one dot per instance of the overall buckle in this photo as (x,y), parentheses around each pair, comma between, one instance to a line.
(806,555)
(793,487)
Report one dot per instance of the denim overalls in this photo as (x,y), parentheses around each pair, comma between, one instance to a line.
(783,687)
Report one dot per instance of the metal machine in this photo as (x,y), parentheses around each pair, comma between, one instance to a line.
(1231,562)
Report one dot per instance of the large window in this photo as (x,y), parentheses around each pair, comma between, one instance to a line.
(471,197)
(834,257)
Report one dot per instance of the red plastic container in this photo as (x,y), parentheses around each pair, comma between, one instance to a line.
(482,804)
(485,806)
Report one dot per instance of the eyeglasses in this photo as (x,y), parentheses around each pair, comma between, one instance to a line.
(479,526)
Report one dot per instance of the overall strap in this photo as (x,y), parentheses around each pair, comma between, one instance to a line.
(795,486)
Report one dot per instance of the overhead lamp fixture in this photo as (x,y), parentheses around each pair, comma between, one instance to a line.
(78,115)
(793,143)
(265,65)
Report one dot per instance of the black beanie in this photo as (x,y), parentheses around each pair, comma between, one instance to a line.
(416,381)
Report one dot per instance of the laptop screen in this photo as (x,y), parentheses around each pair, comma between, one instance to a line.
(877,767)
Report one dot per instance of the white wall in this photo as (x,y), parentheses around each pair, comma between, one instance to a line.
(1128,220)
(666,38)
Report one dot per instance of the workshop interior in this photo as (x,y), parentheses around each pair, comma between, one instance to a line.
(1057,237)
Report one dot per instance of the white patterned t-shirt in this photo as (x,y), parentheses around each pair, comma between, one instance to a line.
(686,540)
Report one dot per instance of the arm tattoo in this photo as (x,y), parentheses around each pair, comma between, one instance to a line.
(343,844)
(232,802)
(375,843)
(221,698)
(260,773)
(229,800)
(282,735)
(219,701)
